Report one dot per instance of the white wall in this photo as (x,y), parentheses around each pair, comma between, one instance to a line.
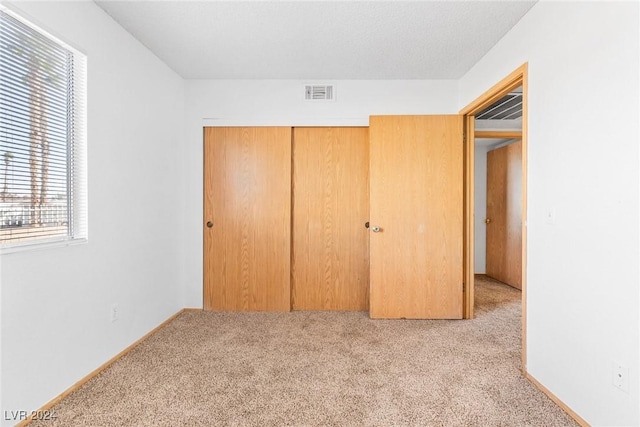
(480,208)
(281,102)
(582,276)
(55,302)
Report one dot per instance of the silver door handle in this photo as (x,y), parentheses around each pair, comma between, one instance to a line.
(375,229)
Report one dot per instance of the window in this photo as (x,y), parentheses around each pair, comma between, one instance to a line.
(42,137)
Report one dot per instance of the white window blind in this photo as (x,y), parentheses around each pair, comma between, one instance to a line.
(42,136)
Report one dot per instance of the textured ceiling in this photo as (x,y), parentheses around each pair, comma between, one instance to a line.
(318,39)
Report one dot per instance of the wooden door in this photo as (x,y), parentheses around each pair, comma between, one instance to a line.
(416,172)
(504,214)
(330,258)
(247,204)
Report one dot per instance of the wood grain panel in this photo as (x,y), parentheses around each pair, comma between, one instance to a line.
(330,249)
(247,196)
(504,210)
(469,219)
(416,173)
(497,134)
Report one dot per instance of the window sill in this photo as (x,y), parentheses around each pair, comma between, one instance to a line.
(35,246)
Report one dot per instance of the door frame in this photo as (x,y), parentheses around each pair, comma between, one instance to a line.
(518,77)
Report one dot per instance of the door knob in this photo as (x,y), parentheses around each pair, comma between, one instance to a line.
(375,229)
(209,224)
(487,221)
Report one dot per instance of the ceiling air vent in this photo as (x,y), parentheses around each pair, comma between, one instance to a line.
(319,92)
(507,108)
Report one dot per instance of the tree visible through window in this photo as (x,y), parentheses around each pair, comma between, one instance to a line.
(38,124)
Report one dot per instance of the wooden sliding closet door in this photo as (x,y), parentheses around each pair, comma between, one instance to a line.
(416,216)
(247,219)
(504,214)
(330,260)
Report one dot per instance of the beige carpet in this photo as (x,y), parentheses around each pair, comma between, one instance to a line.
(322,369)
